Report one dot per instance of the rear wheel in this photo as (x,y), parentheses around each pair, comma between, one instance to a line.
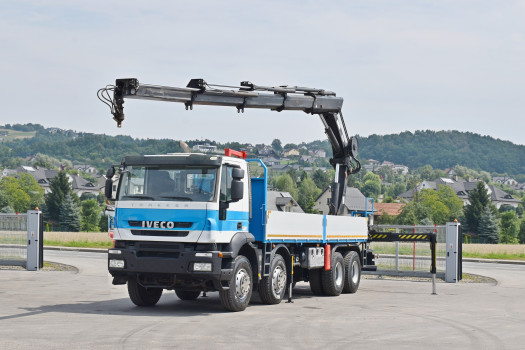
(237,297)
(187,294)
(352,272)
(273,287)
(333,280)
(316,285)
(142,296)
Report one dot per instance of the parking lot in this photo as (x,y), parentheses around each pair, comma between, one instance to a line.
(83,310)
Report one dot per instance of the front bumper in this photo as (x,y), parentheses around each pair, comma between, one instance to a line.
(150,259)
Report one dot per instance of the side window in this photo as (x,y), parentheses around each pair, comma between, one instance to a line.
(226,183)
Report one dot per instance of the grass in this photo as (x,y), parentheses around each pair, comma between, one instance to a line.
(481,251)
(78,239)
(14,134)
(495,251)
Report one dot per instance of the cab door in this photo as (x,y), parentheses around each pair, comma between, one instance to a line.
(233,216)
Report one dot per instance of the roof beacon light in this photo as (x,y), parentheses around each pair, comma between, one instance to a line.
(231,153)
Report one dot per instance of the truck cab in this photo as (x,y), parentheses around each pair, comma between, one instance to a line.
(178,223)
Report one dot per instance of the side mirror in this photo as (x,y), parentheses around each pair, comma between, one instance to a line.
(237,191)
(110,173)
(108,189)
(237,174)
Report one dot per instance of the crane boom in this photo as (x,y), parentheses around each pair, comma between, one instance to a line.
(312,101)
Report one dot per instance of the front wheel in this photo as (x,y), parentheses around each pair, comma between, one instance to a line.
(142,296)
(237,297)
(273,287)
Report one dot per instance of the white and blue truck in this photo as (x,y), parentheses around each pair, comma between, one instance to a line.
(196,223)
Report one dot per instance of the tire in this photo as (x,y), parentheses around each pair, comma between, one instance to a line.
(187,294)
(352,272)
(142,296)
(237,297)
(316,285)
(273,287)
(334,280)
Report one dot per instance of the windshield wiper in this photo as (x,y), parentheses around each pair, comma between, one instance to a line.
(178,198)
(141,196)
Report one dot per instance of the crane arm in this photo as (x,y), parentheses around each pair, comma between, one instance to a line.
(313,101)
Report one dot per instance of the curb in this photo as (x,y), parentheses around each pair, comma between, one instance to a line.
(494,261)
(73,249)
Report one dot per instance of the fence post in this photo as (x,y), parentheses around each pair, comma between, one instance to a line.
(433,267)
(397,252)
(35,241)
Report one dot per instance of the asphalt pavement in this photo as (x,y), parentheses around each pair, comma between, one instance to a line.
(83,310)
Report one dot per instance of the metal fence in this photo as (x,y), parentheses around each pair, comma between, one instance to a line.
(13,239)
(410,258)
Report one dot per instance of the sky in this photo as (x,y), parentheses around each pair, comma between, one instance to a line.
(399,65)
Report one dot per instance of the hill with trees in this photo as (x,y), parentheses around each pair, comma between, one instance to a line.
(445,149)
(440,149)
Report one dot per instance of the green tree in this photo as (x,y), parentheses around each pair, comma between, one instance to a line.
(60,188)
(371,185)
(294,174)
(437,211)
(4,199)
(308,192)
(510,227)
(69,217)
(451,200)
(412,214)
(425,172)
(519,210)
(488,227)
(45,161)
(506,207)
(386,173)
(321,178)
(521,235)
(35,192)
(18,199)
(103,223)
(286,184)
(396,189)
(479,199)
(90,211)
(276,144)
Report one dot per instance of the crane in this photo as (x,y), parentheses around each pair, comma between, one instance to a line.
(248,95)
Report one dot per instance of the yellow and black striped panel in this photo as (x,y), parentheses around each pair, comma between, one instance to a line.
(393,237)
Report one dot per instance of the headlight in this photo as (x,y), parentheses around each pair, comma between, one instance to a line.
(204,255)
(116,263)
(201,266)
(114,251)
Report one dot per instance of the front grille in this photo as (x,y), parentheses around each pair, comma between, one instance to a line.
(164,246)
(176,224)
(160,233)
(157,254)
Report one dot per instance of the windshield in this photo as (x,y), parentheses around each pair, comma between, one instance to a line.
(173,183)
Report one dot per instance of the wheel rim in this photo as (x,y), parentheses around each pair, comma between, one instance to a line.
(242,284)
(278,281)
(355,272)
(339,273)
